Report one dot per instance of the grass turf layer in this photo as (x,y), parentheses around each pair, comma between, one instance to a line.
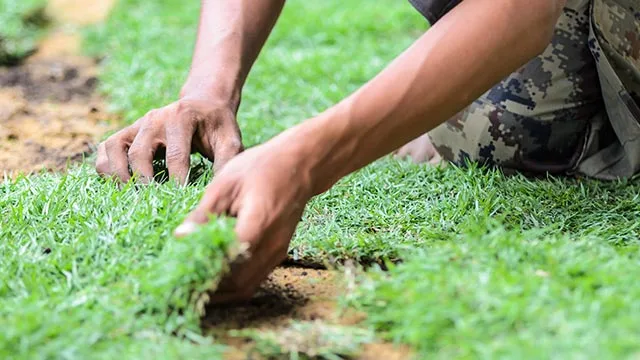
(392,205)
(496,293)
(473,283)
(90,270)
(21,22)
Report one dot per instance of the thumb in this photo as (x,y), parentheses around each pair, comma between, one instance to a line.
(226,148)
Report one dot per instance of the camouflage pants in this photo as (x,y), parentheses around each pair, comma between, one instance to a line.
(549,116)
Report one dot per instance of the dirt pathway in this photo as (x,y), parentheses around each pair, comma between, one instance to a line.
(50,113)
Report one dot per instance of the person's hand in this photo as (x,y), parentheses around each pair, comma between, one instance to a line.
(420,150)
(173,133)
(266,189)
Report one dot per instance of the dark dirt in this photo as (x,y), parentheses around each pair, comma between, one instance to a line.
(50,80)
(290,293)
(49,114)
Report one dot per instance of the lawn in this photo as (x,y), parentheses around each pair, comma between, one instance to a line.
(476,264)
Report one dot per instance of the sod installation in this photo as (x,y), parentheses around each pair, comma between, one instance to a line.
(79,279)
(477,264)
(520,237)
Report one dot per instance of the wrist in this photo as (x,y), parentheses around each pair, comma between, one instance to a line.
(203,88)
(322,149)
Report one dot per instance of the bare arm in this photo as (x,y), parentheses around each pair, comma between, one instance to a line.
(473,48)
(230,36)
(267,187)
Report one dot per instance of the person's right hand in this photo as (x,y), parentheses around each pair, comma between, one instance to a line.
(173,132)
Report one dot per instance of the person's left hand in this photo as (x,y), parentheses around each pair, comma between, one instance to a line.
(266,189)
(420,150)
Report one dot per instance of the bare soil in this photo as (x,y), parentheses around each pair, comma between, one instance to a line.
(80,12)
(291,293)
(49,114)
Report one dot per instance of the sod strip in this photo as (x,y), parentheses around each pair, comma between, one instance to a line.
(371,216)
(498,293)
(91,270)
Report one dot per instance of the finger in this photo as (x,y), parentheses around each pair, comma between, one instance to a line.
(268,245)
(141,153)
(102,161)
(116,150)
(401,153)
(419,155)
(251,224)
(179,151)
(227,146)
(437,160)
(246,276)
(243,280)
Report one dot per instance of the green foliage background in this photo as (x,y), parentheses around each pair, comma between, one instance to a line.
(21,23)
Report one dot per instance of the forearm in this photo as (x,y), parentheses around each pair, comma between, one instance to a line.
(231,34)
(462,56)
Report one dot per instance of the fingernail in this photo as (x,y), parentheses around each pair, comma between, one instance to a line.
(185,229)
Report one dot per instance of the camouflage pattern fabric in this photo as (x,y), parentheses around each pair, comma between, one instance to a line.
(617,27)
(538,117)
(615,44)
(552,116)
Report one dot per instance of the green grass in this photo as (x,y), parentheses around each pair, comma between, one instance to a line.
(494,293)
(306,66)
(91,270)
(391,205)
(489,265)
(21,23)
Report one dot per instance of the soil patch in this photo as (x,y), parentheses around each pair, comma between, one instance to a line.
(50,113)
(291,294)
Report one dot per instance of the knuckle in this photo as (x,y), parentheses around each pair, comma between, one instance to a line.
(150,114)
(175,153)
(184,109)
(102,167)
(111,143)
(150,120)
(234,144)
(228,115)
(135,151)
(117,140)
